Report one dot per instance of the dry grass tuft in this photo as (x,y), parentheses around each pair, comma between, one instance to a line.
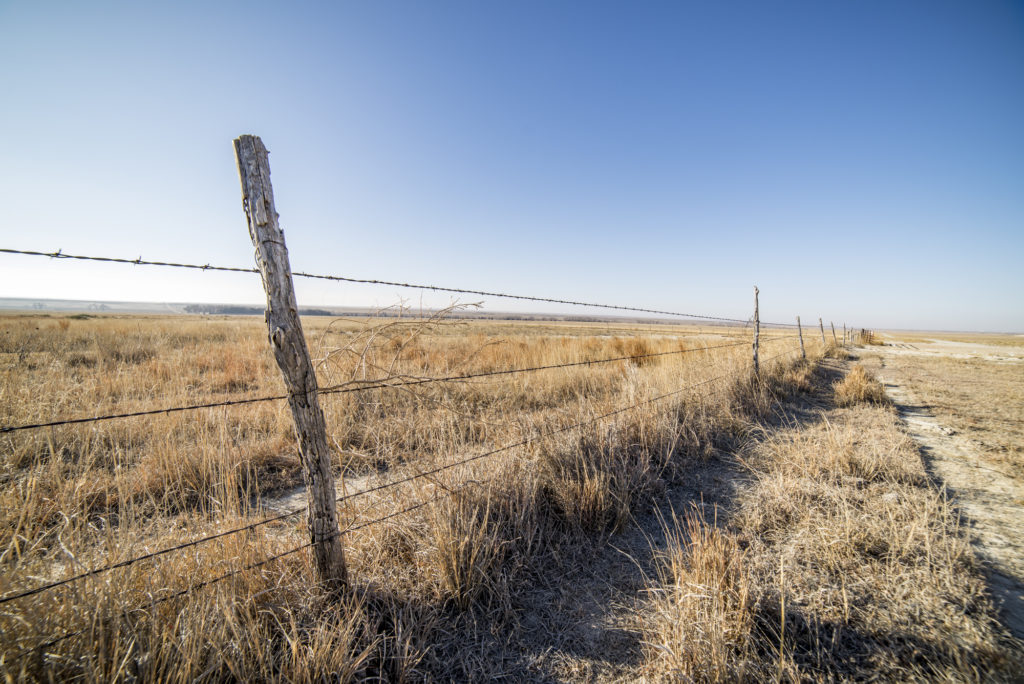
(791,381)
(593,480)
(836,351)
(859,387)
(700,619)
(637,347)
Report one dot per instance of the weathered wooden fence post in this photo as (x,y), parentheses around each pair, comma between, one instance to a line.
(800,331)
(844,334)
(292,356)
(821,326)
(757,334)
(835,340)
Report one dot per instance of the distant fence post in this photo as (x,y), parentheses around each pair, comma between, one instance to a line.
(757,333)
(844,334)
(821,326)
(800,331)
(834,339)
(292,357)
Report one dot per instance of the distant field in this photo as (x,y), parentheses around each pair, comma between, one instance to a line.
(999,339)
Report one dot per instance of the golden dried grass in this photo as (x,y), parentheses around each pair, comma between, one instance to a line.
(858,386)
(699,620)
(76,497)
(81,496)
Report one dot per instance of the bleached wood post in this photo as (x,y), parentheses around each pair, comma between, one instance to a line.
(844,334)
(292,355)
(800,331)
(757,334)
(821,326)
(834,338)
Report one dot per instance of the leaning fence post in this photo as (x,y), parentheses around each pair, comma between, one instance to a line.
(821,326)
(292,355)
(834,339)
(757,333)
(800,331)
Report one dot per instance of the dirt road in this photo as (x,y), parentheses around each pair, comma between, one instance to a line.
(960,402)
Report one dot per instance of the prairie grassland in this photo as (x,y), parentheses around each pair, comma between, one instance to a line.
(81,496)
(436,589)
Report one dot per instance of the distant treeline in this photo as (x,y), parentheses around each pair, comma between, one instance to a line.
(242,310)
(237,310)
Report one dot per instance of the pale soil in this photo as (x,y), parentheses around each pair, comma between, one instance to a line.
(946,423)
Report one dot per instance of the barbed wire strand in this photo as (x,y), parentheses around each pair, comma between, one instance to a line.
(361,388)
(364,492)
(59,254)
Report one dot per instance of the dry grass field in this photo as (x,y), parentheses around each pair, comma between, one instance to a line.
(976,340)
(782,528)
(979,396)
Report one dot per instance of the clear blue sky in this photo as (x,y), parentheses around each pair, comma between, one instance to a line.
(861,161)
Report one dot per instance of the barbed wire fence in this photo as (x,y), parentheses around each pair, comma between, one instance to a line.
(337,533)
(340,500)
